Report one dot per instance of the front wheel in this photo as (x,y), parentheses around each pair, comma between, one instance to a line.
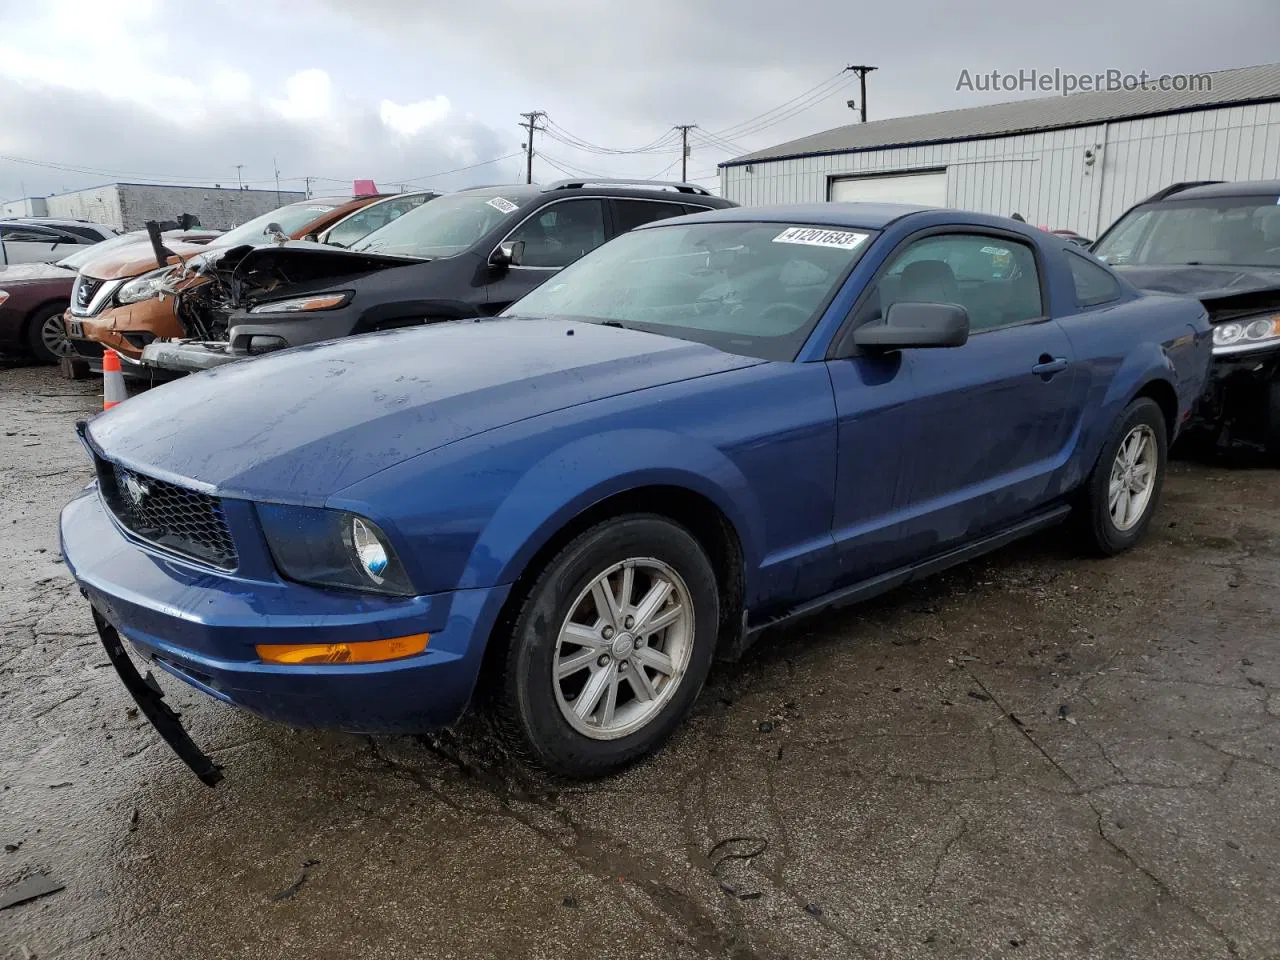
(47,336)
(610,648)
(1124,488)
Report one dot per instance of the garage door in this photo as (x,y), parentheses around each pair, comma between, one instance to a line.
(926,189)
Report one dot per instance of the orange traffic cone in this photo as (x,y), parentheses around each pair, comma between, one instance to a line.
(113,389)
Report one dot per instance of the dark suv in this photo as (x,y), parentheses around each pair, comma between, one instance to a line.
(1220,243)
(467,254)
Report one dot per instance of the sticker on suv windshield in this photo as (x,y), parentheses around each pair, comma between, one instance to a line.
(502,205)
(814,237)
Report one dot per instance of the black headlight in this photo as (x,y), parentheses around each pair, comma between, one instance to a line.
(332,548)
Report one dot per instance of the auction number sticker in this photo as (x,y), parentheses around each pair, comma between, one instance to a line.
(815,237)
(502,205)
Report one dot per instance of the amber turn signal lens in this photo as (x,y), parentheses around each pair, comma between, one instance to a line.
(368,651)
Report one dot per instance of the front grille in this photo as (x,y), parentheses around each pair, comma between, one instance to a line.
(168,515)
(82,293)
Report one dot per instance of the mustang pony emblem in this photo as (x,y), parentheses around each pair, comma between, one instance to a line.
(135,489)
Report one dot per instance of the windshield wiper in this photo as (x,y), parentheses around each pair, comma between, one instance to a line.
(612,323)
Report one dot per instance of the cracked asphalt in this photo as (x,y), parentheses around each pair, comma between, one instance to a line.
(1035,755)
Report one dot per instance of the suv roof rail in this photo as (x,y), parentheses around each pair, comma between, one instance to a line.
(580,182)
(1173,188)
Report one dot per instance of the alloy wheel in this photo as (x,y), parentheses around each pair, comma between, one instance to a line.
(623,649)
(54,336)
(1133,476)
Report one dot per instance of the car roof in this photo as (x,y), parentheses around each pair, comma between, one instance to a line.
(867,216)
(54,222)
(676,193)
(1242,188)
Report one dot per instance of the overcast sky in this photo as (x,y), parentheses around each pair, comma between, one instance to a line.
(93,91)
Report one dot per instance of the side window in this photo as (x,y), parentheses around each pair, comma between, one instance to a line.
(561,232)
(353,228)
(20,233)
(629,214)
(993,278)
(1094,284)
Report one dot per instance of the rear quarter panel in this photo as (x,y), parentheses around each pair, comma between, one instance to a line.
(1123,347)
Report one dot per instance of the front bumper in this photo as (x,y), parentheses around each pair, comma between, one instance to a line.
(1237,402)
(187,356)
(201,625)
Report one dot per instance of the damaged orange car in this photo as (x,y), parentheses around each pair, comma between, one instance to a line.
(118,301)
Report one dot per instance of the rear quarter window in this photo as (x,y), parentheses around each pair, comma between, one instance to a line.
(1093,283)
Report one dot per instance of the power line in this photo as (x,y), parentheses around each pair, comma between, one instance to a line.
(565,167)
(736,128)
(559,133)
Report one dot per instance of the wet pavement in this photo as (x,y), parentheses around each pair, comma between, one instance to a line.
(1035,755)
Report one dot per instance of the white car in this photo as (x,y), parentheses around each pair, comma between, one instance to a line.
(42,240)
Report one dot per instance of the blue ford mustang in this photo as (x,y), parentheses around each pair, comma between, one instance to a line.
(705,427)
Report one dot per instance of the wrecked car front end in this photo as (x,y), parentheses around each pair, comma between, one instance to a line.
(298,289)
(1241,400)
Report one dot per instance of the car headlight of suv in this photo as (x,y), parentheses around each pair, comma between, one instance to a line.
(332,548)
(319,301)
(1247,333)
(144,287)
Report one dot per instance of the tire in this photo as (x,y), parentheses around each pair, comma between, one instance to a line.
(545,719)
(1110,523)
(41,341)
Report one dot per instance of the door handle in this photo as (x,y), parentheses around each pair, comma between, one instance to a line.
(1049,366)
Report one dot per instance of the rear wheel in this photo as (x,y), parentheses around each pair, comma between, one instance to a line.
(47,336)
(1124,488)
(611,647)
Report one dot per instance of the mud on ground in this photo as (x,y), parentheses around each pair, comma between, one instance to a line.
(1035,755)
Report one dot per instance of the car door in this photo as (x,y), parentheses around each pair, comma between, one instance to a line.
(554,236)
(986,428)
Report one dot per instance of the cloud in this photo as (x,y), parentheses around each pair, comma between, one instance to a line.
(308,96)
(396,89)
(410,119)
(133,105)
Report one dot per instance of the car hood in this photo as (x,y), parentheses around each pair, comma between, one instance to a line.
(137,258)
(302,424)
(1205,283)
(29,272)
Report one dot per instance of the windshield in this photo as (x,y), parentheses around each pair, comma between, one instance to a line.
(444,227)
(750,288)
(1230,231)
(291,219)
(85,254)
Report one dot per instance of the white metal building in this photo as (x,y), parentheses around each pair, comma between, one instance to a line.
(128,206)
(1075,162)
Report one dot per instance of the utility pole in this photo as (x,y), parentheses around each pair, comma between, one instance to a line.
(276,167)
(239,182)
(862,70)
(307,181)
(684,129)
(530,127)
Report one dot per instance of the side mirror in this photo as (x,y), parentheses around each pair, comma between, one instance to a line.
(313,237)
(508,254)
(910,325)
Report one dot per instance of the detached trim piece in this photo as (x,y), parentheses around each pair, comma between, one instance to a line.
(150,699)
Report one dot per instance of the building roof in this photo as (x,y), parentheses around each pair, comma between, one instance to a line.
(1258,84)
(170,186)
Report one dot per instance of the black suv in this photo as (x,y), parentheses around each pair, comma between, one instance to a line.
(466,254)
(1220,243)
